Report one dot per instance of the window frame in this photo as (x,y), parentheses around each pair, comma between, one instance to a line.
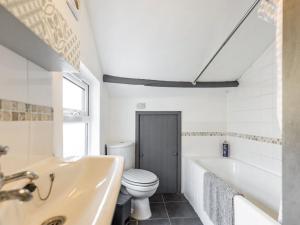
(79,116)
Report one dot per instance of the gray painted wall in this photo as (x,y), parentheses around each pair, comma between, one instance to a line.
(291,112)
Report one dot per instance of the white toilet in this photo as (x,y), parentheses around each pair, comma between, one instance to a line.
(140,184)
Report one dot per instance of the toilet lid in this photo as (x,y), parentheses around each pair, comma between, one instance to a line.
(140,176)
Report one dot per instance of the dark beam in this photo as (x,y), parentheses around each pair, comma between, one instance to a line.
(160,83)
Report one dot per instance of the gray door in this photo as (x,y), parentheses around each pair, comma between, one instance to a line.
(158,147)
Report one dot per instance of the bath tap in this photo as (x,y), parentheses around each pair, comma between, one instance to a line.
(18,194)
(17,176)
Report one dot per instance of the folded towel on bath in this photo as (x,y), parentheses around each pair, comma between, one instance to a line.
(218,200)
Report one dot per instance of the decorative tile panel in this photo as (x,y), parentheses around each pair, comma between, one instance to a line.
(277,141)
(20,111)
(44,19)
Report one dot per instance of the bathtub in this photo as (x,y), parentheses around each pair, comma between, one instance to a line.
(261,189)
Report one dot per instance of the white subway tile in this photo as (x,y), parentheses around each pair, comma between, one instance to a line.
(39,85)
(13,76)
(252,109)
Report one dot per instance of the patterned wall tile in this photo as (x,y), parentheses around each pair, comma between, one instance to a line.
(20,111)
(45,20)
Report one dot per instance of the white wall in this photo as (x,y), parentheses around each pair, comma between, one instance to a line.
(252,109)
(23,81)
(89,57)
(203,112)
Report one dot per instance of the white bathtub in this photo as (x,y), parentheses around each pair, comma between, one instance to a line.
(261,189)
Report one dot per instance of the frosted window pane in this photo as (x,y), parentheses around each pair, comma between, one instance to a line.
(73,96)
(74,139)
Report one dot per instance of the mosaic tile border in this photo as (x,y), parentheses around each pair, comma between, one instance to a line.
(20,111)
(197,133)
(276,141)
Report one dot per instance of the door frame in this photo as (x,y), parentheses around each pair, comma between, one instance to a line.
(137,139)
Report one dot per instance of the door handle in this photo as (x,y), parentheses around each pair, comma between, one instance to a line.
(175,154)
(141,155)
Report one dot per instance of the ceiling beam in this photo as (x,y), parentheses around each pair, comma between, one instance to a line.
(161,83)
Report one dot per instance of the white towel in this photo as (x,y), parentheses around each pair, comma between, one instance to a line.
(218,200)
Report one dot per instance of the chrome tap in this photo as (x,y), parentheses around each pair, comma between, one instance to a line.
(18,194)
(17,176)
(20,176)
(3,150)
(22,194)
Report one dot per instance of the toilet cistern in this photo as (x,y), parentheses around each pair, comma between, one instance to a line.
(140,184)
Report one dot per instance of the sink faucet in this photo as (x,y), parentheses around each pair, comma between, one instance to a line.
(3,150)
(17,194)
(17,176)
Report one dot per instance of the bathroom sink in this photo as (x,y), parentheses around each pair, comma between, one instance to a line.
(84,192)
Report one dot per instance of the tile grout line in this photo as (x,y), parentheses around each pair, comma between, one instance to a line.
(164,202)
(177,201)
(166,209)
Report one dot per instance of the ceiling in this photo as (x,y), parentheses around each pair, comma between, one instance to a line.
(174,39)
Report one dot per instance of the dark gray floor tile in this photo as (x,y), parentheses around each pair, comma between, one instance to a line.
(174,197)
(156,198)
(186,221)
(155,222)
(132,222)
(180,209)
(158,211)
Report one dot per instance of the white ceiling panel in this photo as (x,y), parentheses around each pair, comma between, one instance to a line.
(245,47)
(170,39)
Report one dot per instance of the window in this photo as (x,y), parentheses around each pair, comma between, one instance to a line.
(76,116)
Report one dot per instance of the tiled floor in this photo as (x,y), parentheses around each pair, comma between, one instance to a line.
(170,209)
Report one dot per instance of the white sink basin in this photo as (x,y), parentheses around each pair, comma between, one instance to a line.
(84,192)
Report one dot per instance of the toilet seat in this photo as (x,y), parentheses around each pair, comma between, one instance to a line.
(139,184)
(140,179)
(141,188)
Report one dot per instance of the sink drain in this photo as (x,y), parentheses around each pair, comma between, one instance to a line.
(57,220)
